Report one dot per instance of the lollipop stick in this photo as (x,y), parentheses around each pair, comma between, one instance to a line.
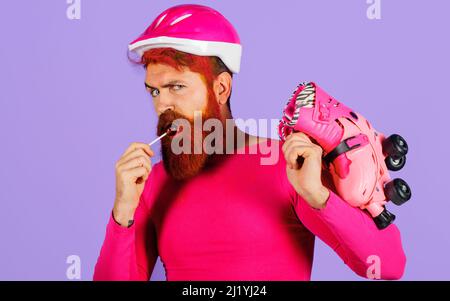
(157,139)
(173,128)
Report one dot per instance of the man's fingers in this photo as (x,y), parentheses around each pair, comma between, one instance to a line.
(298,136)
(304,137)
(294,143)
(136,172)
(287,144)
(136,162)
(294,137)
(293,154)
(296,149)
(138,145)
(132,154)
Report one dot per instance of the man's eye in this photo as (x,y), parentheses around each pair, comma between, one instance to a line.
(177,87)
(154,92)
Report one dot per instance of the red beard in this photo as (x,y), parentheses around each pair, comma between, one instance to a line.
(186,165)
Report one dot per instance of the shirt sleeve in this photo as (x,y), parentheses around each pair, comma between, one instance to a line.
(352,234)
(129,253)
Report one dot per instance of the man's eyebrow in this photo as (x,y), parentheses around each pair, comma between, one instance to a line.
(172,82)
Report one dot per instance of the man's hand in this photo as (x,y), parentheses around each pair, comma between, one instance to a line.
(132,170)
(306,177)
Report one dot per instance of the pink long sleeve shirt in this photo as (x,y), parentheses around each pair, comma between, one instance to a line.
(241,220)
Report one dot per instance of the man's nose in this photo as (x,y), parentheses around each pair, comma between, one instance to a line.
(164,104)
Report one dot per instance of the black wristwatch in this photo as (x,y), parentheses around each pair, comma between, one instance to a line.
(130,222)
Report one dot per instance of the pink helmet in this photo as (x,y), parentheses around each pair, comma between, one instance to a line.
(194,29)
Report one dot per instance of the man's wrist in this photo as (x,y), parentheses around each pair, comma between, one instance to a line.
(124,219)
(318,199)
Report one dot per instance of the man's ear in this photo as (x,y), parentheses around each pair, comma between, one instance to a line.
(222,87)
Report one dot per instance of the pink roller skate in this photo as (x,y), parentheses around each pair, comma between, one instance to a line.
(357,156)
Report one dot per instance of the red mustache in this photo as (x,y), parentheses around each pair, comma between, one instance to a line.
(166,119)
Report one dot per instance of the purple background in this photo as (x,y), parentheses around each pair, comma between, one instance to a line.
(70,103)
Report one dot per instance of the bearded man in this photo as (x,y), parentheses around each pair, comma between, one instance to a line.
(224,215)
